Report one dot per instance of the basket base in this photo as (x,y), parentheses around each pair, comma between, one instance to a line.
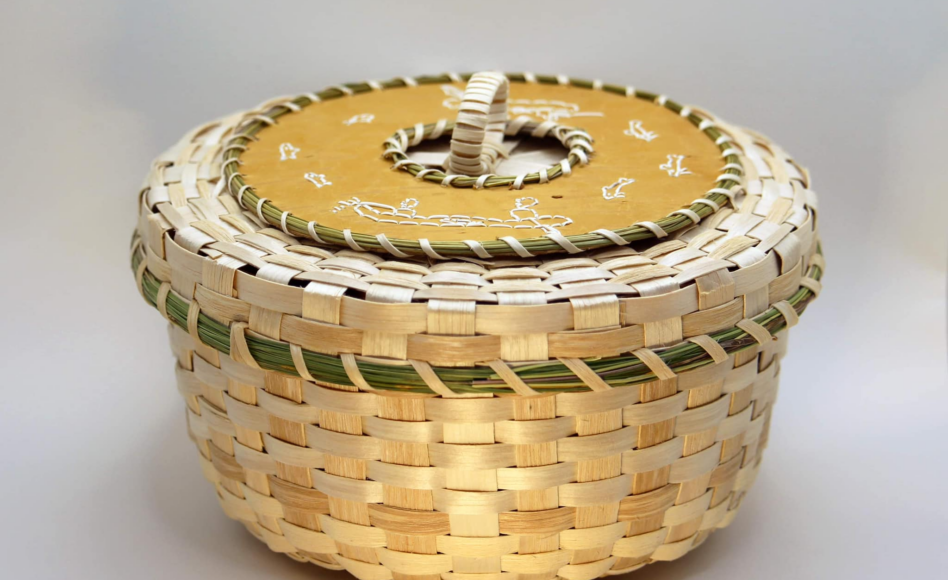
(363,571)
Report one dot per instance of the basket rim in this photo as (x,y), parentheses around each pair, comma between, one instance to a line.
(551,376)
(726,185)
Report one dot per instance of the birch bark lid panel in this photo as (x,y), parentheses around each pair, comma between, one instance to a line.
(577,395)
(577,166)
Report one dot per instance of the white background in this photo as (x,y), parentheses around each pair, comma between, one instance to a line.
(97,476)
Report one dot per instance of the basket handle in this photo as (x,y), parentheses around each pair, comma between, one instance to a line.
(477,140)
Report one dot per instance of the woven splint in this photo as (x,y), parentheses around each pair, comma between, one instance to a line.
(405,391)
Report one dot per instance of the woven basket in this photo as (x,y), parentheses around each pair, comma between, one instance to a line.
(549,406)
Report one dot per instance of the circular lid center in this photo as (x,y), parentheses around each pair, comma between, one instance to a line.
(617,161)
(527,152)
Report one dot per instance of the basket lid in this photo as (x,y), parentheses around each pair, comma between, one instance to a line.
(506,165)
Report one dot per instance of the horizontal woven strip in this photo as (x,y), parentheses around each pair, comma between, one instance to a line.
(299,227)
(550,376)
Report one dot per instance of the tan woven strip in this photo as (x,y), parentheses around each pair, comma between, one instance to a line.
(431,379)
(707,202)
(654,228)
(563,242)
(710,346)
(438,130)
(480,123)
(194,314)
(730,193)
(239,351)
(695,218)
(162,298)
(760,334)
(511,378)
(311,228)
(613,237)
(347,234)
(818,261)
(789,314)
(655,363)
(389,247)
(517,247)
(585,374)
(812,285)
(428,250)
(477,248)
(355,375)
(296,351)
(260,203)
(140,277)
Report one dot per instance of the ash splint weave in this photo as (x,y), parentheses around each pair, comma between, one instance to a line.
(405,417)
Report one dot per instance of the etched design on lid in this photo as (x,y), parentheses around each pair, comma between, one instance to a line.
(317,179)
(522,215)
(614,190)
(361,118)
(636,130)
(611,134)
(674,167)
(287,151)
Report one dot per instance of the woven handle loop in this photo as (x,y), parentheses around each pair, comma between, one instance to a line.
(477,141)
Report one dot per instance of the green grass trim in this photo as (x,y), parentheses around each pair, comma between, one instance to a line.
(466,182)
(546,376)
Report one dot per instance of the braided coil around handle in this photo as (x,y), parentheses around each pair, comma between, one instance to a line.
(477,140)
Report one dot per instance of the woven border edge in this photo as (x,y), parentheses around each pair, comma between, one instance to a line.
(399,376)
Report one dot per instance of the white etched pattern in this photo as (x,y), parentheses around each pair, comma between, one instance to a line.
(674,167)
(636,130)
(317,179)
(288,151)
(614,190)
(363,118)
(522,215)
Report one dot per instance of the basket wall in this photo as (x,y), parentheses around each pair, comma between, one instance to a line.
(574,485)
(330,460)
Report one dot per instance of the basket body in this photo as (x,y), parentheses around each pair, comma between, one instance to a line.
(544,416)
(574,485)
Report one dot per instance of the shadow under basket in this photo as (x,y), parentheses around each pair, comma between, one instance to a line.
(414,390)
